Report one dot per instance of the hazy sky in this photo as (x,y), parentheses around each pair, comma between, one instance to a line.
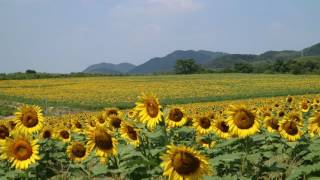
(69,35)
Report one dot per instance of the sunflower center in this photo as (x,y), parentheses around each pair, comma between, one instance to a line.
(185,163)
(281,114)
(78,150)
(78,125)
(132,133)
(103,140)
(92,123)
(305,105)
(204,122)
(223,127)
(101,120)
(12,124)
(22,150)
(116,122)
(30,119)
(175,115)
(152,108)
(46,134)
(273,123)
(289,100)
(291,128)
(4,132)
(64,134)
(244,119)
(112,112)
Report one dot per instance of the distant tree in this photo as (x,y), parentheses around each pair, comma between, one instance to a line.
(296,67)
(243,68)
(29,71)
(280,67)
(186,66)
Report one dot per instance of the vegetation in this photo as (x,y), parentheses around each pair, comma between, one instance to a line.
(274,138)
(100,92)
(28,75)
(302,65)
(186,66)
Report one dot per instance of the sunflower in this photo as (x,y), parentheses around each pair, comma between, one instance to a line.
(132,114)
(4,131)
(91,122)
(176,118)
(100,119)
(266,113)
(295,116)
(181,162)
(112,112)
(129,133)
(304,106)
(314,124)
(315,103)
(203,125)
(271,123)
(46,133)
(29,119)
(149,110)
(77,151)
(276,105)
(77,126)
(221,128)
(281,113)
(20,151)
(12,124)
(67,124)
(290,130)
(289,99)
(101,140)
(241,121)
(63,134)
(205,143)
(114,122)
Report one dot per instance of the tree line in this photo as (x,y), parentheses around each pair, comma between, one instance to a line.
(304,65)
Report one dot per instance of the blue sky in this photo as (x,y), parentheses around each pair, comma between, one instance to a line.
(69,35)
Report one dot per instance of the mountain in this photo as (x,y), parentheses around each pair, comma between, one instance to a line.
(312,51)
(208,60)
(229,60)
(109,68)
(166,64)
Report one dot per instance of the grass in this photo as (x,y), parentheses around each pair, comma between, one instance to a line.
(7,108)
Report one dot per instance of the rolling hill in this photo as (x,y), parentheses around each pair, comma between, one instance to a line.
(208,59)
(109,68)
(166,64)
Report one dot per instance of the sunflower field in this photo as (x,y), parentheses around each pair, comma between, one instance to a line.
(275,138)
(100,92)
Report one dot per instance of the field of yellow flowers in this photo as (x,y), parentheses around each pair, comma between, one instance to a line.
(263,138)
(100,92)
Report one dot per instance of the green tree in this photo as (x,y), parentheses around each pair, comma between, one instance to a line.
(29,71)
(186,66)
(280,66)
(243,67)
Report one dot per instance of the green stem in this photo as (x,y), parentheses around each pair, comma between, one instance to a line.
(167,140)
